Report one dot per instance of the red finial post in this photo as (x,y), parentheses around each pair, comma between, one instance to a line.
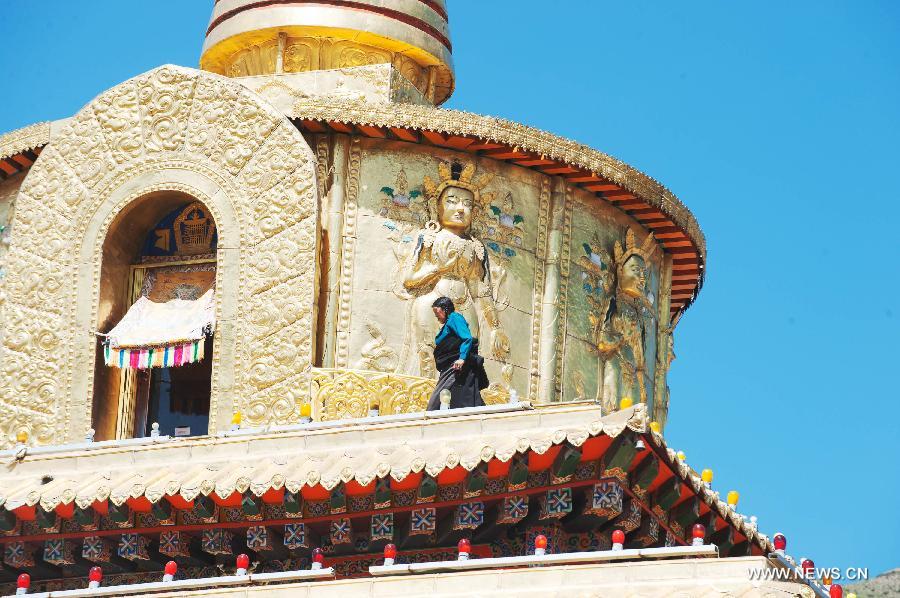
(95,576)
(390,553)
(780,543)
(22,584)
(808,567)
(618,539)
(540,545)
(465,548)
(698,534)
(318,558)
(243,563)
(170,571)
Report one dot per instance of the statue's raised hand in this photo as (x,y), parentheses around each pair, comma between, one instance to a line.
(499,344)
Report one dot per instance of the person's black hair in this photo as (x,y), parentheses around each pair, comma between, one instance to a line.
(444,303)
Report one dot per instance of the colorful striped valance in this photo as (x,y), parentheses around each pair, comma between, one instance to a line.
(155,357)
(166,334)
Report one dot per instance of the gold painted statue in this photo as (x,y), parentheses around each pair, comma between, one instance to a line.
(621,316)
(449,262)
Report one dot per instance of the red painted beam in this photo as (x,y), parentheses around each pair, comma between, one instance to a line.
(460,143)
(405,134)
(22,160)
(371,131)
(341,127)
(538,462)
(601,187)
(560,170)
(486,145)
(536,162)
(314,126)
(434,137)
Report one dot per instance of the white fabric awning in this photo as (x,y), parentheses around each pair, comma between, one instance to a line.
(161,334)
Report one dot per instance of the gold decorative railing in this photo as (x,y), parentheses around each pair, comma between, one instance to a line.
(348,394)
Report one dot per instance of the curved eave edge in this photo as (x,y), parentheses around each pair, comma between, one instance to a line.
(634,419)
(499,130)
(457,122)
(24,139)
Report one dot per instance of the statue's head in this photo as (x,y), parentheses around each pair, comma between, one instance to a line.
(631,263)
(454,207)
(456,195)
(633,276)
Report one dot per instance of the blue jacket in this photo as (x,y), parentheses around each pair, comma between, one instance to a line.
(457,324)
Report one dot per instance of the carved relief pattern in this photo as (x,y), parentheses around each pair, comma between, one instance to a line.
(8,191)
(274,162)
(322,163)
(177,119)
(255,60)
(82,144)
(165,101)
(348,247)
(23,139)
(59,183)
(538,298)
(411,71)
(300,57)
(619,331)
(346,54)
(120,121)
(562,297)
(281,207)
(665,350)
(347,394)
(226,126)
(279,354)
(302,54)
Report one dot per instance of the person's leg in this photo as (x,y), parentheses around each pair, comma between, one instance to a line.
(464,392)
(446,380)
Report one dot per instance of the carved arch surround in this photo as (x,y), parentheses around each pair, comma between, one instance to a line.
(171,129)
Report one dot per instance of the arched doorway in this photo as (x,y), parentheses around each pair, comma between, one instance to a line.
(157,284)
(215,141)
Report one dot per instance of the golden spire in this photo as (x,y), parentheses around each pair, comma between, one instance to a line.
(249,37)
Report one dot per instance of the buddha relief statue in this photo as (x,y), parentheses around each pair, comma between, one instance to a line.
(448,261)
(621,317)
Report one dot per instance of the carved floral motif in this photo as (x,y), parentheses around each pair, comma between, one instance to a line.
(23,139)
(348,394)
(181,120)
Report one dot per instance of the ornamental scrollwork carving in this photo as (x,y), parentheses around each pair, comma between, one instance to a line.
(350,394)
(23,139)
(171,119)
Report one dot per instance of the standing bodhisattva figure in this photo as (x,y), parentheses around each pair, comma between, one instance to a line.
(449,262)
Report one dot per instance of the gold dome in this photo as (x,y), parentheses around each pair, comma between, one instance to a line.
(261,37)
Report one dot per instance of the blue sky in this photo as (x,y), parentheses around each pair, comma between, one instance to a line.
(777,123)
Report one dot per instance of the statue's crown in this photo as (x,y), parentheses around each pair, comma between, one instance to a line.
(455,174)
(631,248)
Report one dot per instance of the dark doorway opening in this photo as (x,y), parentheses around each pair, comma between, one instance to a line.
(176,398)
